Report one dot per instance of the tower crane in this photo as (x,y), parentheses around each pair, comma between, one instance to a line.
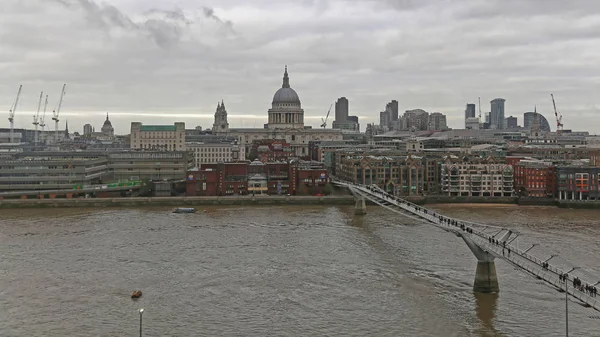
(11,115)
(324,125)
(42,123)
(36,118)
(559,124)
(56,112)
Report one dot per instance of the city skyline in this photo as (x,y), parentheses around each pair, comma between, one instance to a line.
(152,62)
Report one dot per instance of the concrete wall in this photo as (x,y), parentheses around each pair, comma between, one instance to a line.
(177,201)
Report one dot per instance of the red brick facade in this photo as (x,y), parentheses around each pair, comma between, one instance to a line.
(535,179)
(232,179)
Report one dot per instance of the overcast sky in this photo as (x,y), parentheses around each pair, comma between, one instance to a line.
(160,61)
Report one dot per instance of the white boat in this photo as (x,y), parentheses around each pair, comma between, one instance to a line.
(184,210)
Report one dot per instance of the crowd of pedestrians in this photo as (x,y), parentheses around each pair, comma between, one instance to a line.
(577,284)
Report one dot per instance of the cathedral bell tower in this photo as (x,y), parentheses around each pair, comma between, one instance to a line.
(221,125)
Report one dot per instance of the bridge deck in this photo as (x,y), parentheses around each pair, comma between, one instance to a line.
(510,253)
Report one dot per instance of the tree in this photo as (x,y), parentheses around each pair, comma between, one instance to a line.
(328,189)
(146,188)
(301,189)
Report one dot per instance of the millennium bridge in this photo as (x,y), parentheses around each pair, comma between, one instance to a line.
(487,244)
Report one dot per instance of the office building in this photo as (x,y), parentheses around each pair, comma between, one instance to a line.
(511,122)
(88,129)
(158,137)
(392,108)
(437,122)
(472,123)
(218,151)
(341,109)
(529,120)
(497,113)
(343,122)
(470,111)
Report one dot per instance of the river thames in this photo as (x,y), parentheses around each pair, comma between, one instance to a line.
(280,271)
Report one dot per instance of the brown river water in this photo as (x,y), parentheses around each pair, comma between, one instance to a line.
(281,271)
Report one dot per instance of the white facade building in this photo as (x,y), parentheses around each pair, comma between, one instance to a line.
(158,137)
(477,180)
(214,152)
(472,123)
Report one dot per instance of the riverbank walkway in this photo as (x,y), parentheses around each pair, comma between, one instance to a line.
(493,240)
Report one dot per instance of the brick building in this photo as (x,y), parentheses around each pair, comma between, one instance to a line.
(399,175)
(243,178)
(534,178)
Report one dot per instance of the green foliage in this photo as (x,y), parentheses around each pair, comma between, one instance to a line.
(146,188)
(301,189)
(328,189)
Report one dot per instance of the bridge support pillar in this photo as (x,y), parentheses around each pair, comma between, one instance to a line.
(486,279)
(360,207)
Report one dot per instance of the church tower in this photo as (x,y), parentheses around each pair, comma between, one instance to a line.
(221,125)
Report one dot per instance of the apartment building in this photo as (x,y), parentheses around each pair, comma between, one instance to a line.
(578,182)
(399,175)
(477,179)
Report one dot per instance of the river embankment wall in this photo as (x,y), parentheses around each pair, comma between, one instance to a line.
(177,201)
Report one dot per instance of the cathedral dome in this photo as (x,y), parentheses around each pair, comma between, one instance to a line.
(286,94)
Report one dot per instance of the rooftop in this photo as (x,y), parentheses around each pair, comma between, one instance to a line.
(158,128)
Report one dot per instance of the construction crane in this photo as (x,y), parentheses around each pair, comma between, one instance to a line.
(11,115)
(324,125)
(56,112)
(36,118)
(559,124)
(42,123)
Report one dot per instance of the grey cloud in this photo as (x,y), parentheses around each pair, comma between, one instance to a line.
(164,27)
(435,55)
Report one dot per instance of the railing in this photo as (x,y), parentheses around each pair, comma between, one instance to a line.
(518,257)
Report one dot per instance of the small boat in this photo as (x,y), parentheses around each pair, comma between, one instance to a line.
(184,210)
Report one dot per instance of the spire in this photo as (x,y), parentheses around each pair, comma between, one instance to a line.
(286,79)
(107,116)
(222,105)
(218,105)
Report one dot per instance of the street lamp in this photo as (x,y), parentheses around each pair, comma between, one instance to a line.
(141,312)
(551,257)
(528,249)
(567,301)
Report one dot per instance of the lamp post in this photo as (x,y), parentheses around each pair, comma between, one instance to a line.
(141,312)
(567,301)
(528,249)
